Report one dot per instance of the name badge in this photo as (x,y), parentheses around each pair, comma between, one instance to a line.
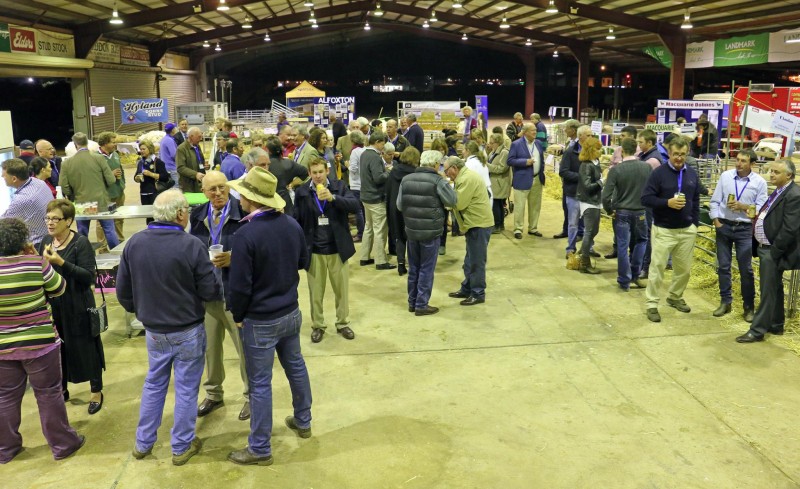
(322,221)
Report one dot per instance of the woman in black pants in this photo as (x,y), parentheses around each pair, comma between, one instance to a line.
(590,186)
(149,170)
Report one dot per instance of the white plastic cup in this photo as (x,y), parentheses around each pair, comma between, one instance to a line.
(214,250)
(59,192)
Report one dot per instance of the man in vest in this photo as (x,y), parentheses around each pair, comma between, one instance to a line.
(422,199)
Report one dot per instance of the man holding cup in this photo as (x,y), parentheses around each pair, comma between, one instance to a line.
(215,223)
(673,194)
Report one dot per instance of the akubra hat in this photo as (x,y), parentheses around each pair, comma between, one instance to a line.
(259,186)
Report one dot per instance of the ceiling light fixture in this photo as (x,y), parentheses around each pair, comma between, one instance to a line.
(464,37)
(206,44)
(115,17)
(217,48)
(247,24)
(266,37)
(457,5)
(366,26)
(425,24)
(504,24)
(433,17)
(378,12)
(555,53)
(528,42)
(687,21)
(551,7)
(311,18)
(308,4)
(610,36)
(222,6)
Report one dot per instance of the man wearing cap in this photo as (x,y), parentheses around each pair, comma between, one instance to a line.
(267,253)
(190,162)
(26,152)
(321,208)
(168,149)
(215,222)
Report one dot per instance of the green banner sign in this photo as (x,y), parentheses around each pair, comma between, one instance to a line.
(660,54)
(744,50)
(5,39)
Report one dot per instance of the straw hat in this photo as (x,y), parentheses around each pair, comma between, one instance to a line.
(259,186)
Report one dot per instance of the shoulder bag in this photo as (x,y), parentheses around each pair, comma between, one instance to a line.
(98,316)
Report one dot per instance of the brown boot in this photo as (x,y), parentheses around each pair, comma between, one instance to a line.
(586,266)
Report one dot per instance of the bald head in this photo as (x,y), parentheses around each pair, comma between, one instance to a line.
(45,149)
(215,189)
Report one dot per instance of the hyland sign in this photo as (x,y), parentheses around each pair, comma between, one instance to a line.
(141,110)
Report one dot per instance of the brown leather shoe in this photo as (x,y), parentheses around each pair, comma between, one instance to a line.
(316,335)
(244,457)
(426,311)
(244,414)
(346,333)
(207,406)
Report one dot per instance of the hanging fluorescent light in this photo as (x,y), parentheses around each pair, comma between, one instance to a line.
(222,6)
(311,18)
(504,24)
(378,12)
(464,37)
(115,17)
(555,53)
(366,26)
(217,48)
(266,37)
(247,24)
(206,44)
(315,26)
(610,36)
(528,42)
(457,5)
(687,21)
(551,7)
(425,24)
(433,17)
(308,3)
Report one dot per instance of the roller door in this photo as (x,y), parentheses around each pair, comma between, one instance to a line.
(105,85)
(178,89)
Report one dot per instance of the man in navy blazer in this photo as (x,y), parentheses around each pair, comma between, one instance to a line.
(526,159)
(415,134)
(776,242)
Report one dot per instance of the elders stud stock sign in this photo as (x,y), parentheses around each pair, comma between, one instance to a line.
(15,39)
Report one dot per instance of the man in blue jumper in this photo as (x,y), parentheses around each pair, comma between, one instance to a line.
(267,253)
(672,192)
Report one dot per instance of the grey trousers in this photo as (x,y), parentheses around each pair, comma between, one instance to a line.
(217,321)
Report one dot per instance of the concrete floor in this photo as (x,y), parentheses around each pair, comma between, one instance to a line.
(557,381)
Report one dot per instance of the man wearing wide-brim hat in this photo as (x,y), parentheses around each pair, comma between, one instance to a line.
(265,258)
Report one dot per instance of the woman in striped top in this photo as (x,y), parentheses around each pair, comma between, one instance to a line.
(29,345)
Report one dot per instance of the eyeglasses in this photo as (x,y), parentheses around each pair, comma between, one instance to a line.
(218,188)
(53,219)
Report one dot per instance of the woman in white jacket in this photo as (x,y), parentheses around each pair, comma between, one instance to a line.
(476,161)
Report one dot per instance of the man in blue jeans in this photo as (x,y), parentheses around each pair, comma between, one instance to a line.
(737,191)
(164,265)
(622,199)
(268,251)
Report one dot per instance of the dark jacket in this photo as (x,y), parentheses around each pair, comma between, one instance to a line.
(285,170)
(513,131)
(373,176)
(397,227)
(652,153)
(422,197)
(416,137)
(165,276)
(400,143)
(623,190)
(148,185)
(782,227)
(522,179)
(307,213)
(589,186)
(338,129)
(569,169)
(199,227)
(267,253)
(662,186)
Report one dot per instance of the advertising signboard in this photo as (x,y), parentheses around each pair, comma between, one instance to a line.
(139,110)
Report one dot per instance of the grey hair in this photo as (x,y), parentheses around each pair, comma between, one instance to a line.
(302,129)
(455,161)
(252,157)
(376,137)
(194,130)
(790,168)
(517,114)
(584,130)
(536,117)
(572,123)
(353,125)
(357,137)
(430,158)
(388,148)
(411,117)
(167,205)
(496,138)
(527,126)
(80,139)
(362,121)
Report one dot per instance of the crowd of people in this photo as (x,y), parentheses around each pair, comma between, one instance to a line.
(301,201)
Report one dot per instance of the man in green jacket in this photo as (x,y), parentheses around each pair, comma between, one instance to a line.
(116,191)
(473,212)
(190,162)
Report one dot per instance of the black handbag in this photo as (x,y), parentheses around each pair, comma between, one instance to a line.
(162,186)
(98,316)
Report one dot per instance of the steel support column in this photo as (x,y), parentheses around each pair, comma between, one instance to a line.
(676,44)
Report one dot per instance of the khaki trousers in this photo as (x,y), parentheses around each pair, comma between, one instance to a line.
(101,236)
(323,266)
(217,321)
(532,199)
(373,242)
(680,244)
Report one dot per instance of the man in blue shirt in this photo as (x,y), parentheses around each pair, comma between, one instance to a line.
(738,194)
(167,150)
(232,165)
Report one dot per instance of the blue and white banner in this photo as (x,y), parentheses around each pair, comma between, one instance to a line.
(139,110)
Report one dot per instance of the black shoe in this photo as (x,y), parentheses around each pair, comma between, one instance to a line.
(653,315)
(749,337)
(301,432)
(722,310)
(385,266)
(535,233)
(401,269)
(497,231)
(426,311)
(472,300)
(364,263)
(517,234)
(411,309)
(560,236)
(610,256)
(776,331)
(316,335)
(346,333)
(207,406)
(458,295)
(442,250)
(66,395)
(679,304)
(594,254)
(244,414)
(748,315)
(245,457)
(96,406)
